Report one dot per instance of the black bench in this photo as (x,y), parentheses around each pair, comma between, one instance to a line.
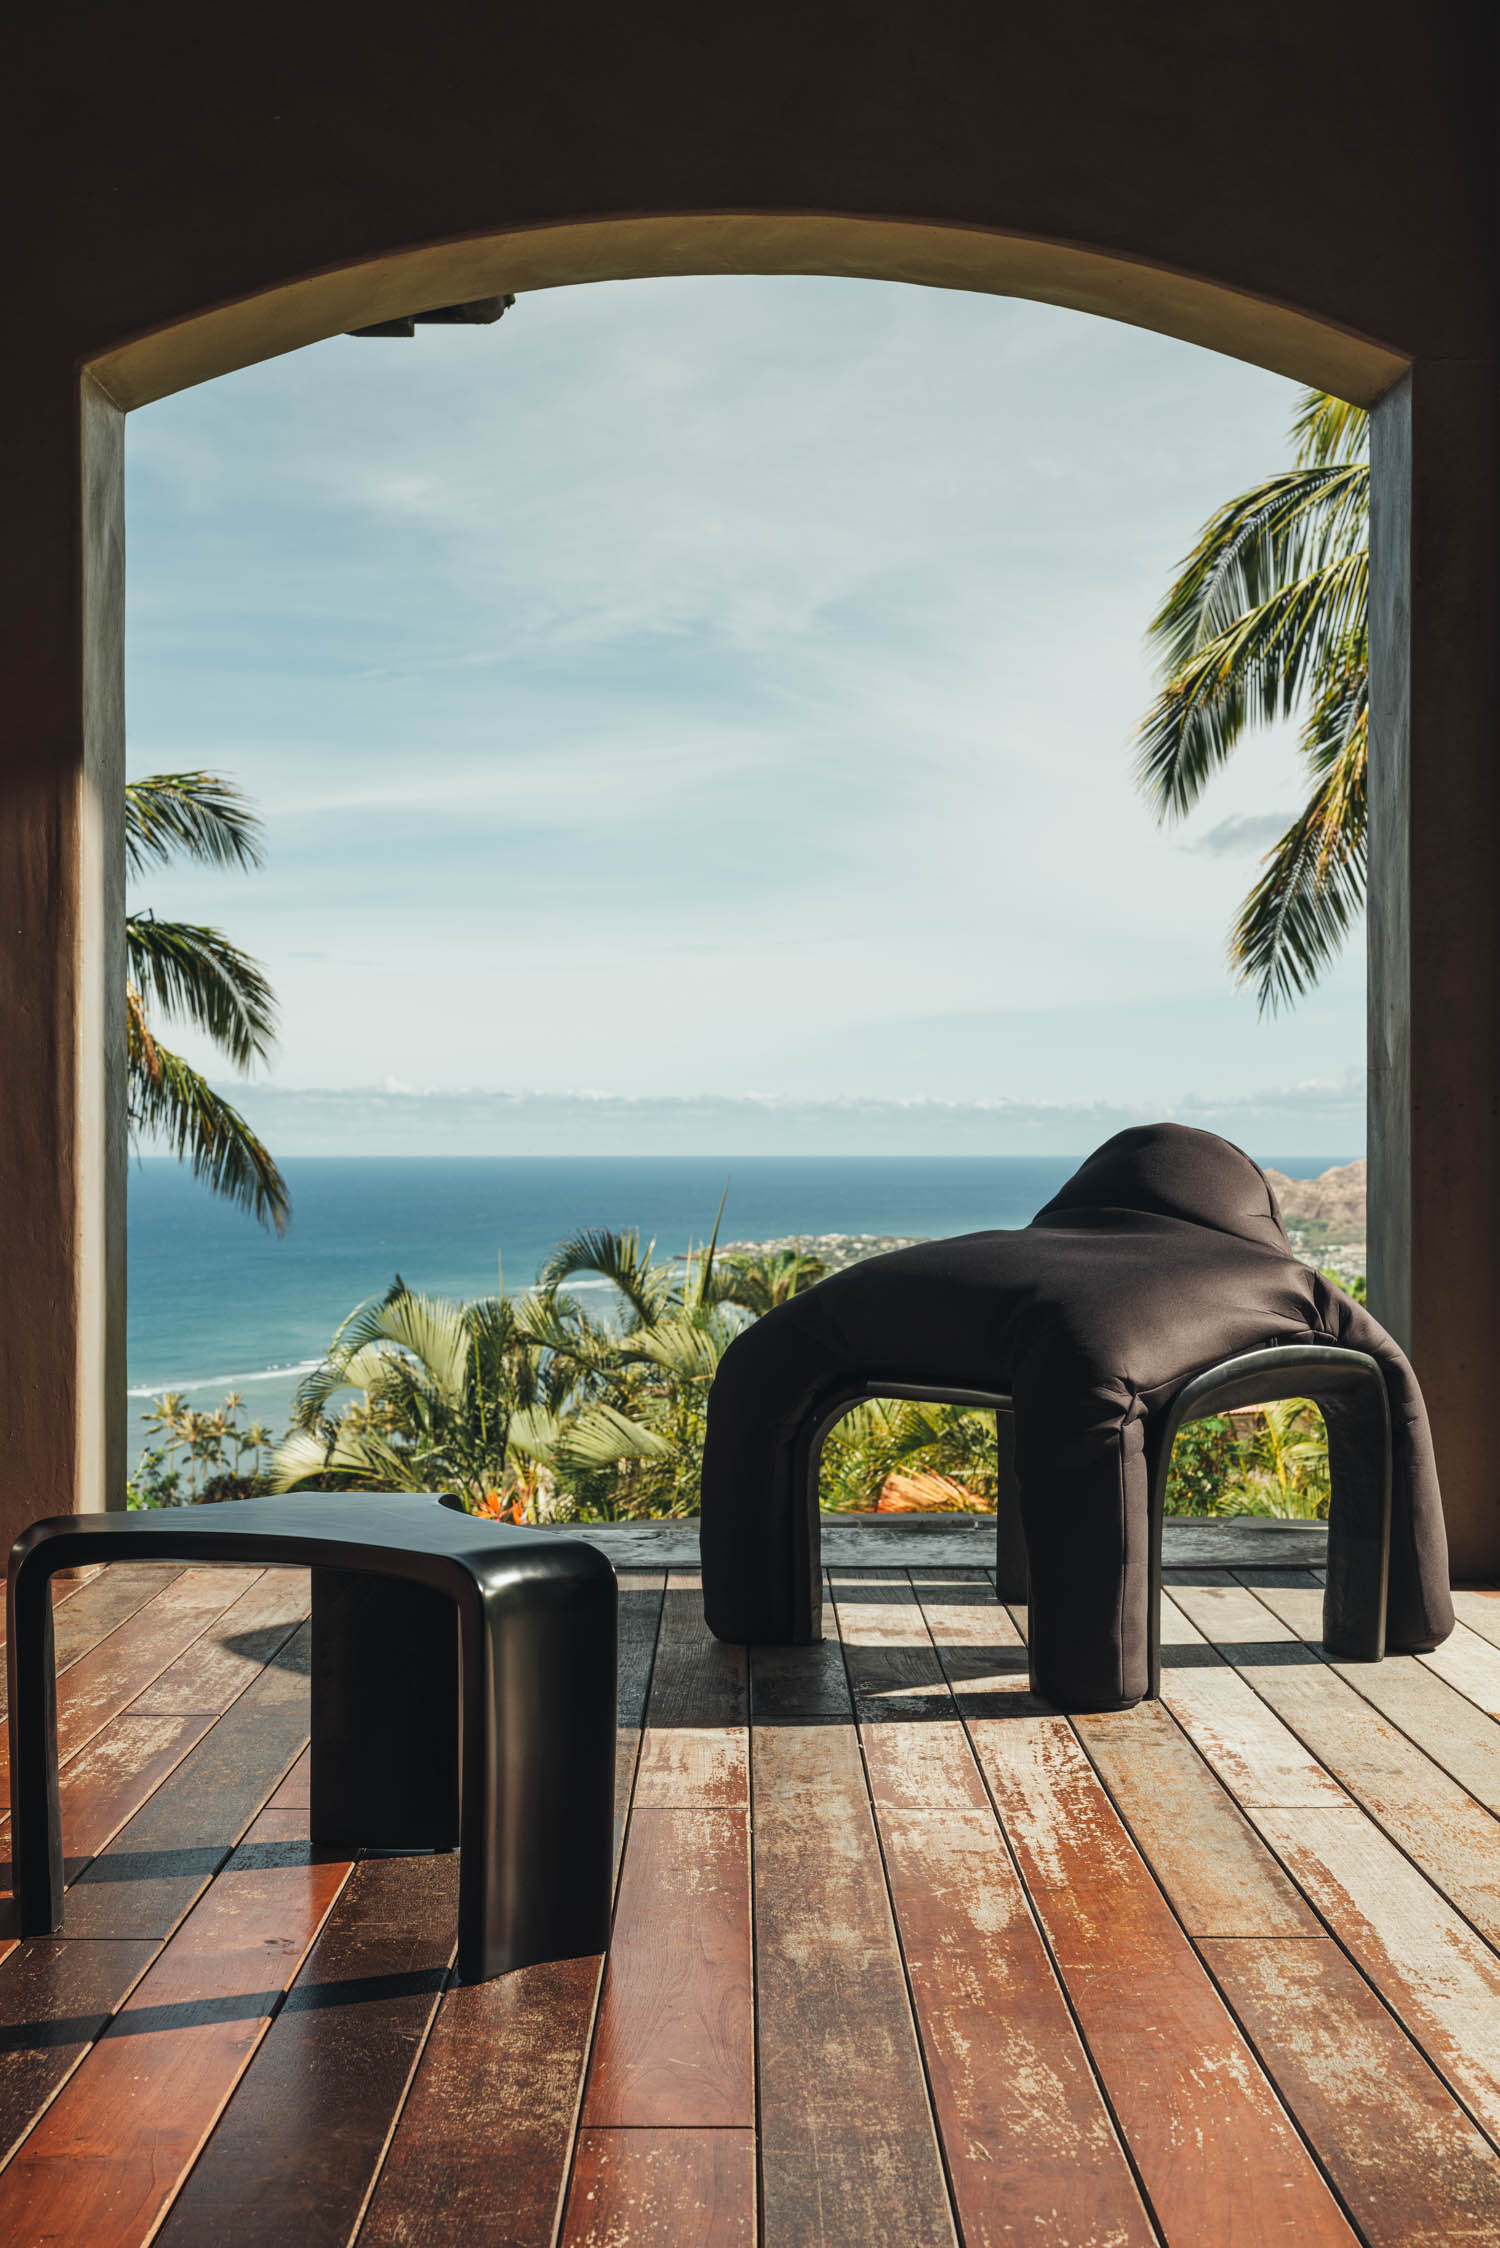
(463,1692)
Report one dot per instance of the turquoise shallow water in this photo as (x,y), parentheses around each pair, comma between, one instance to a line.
(217,1304)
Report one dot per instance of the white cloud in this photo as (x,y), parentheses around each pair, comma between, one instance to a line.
(707,683)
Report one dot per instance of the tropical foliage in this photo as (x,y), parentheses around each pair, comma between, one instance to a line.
(1272,1460)
(1267,619)
(199,1456)
(188,973)
(586,1397)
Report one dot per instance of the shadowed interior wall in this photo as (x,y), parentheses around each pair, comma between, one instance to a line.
(188,191)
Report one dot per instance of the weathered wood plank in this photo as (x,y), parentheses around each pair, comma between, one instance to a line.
(1215,2152)
(675,2043)
(1030,2148)
(1220,1876)
(1435,1974)
(848,2150)
(697,1679)
(1445,1724)
(1470,1665)
(1411,2167)
(1478,1606)
(292,2159)
(662,2189)
(480,2154)
(982,1653)
(107,2156)
(1436,1822)
(1252,1751)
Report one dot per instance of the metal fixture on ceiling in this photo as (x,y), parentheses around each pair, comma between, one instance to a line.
(479,312)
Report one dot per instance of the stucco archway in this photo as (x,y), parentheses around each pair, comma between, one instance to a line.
(335,182)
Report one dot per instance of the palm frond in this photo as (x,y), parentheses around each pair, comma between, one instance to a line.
(196,974)
(1296,918)
(170,1101)
(616,1257)
(602,1436)
(360,1456)
(1259,666)
(1282,529)
(196,815)
(1328,429)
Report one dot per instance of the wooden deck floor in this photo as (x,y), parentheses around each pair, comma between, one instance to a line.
(901,1956)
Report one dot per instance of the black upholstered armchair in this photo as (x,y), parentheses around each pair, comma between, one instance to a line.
(1157,1287)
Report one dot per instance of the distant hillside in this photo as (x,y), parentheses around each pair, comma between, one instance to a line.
(1335,1202)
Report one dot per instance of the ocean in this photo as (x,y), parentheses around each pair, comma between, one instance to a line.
(218,1305)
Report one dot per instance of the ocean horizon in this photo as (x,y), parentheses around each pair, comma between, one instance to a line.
(219,1305)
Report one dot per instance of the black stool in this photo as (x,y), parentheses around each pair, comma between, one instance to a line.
(1346,1385)
(463,1691)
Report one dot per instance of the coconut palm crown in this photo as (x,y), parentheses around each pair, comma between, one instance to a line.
(182,971)
(1267,618)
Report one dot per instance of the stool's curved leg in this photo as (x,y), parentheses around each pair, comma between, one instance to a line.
(384,1712)
(539,1690)
(1012,1574)
(1358,1420)
(35,1813)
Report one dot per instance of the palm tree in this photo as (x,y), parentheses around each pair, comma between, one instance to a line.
(464,1397)
(196,975)
(1267,617)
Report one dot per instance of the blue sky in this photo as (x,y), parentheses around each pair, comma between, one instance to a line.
(701,689)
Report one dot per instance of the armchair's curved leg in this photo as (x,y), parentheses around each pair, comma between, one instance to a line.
(539,1698)
(1012,1571)
(36,1814)
(1359,1520)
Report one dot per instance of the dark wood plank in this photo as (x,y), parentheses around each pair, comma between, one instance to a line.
(149,1873)
(105,2159)
(662,2189)
(848,2148)
(675,2043)
(640,1619)
(1215,2151)
(1411,2167)
(697,1679)
(55,1999)
(292,2158)
(893,1667)
(238,1644)
(480,2154)
(112,1594)
(106,1680)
